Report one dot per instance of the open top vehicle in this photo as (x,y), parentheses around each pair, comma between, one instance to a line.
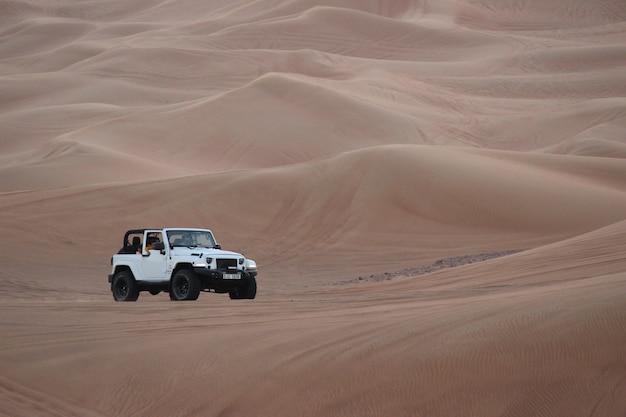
(181,261)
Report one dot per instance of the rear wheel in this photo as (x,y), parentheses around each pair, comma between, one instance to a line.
(185,286)
(124,287)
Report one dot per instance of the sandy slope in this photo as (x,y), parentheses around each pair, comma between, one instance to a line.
(513,336)
(328,140)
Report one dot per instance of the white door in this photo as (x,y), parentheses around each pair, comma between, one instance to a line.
(153,263)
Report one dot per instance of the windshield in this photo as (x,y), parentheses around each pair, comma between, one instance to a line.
(190,238)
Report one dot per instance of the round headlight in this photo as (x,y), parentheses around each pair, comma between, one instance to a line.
(240,261)
(209,260)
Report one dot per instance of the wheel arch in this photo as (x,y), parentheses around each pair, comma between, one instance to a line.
(179,266)
(131,268)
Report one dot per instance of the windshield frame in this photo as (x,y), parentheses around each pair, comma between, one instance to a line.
(190,238)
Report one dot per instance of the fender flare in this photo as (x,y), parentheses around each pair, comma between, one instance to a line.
(133,268)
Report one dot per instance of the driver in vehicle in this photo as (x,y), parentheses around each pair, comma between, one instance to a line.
(150,241)
(187,241)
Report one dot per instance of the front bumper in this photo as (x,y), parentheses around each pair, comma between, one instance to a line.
(225,276)
(224,281)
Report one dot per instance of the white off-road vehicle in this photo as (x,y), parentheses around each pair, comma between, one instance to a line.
(181,261)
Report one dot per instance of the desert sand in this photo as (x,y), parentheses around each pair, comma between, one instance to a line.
(363,152)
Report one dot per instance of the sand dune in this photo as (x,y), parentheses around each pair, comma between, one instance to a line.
(282,77)
(543,341)
(537,15)
(343,145)
(397,205)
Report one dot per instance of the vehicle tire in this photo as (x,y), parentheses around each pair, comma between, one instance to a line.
(185,286)
(124,287)
(248,291)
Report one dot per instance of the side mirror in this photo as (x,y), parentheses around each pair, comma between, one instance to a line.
(217,246)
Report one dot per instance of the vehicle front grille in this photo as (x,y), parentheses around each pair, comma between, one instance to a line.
(226,264)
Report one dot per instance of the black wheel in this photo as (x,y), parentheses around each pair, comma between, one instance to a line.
(124,287)
(185,286)
(247,291)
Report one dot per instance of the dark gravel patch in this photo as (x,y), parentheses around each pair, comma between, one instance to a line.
(449,262)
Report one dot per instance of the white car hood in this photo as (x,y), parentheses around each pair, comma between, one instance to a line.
(213,253)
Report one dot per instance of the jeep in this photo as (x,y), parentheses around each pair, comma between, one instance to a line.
(181,262)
